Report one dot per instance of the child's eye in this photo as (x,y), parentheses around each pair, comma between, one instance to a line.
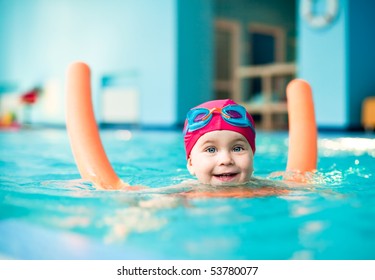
(211,149)
(238,149)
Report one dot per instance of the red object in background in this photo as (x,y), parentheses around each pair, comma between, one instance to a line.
(30,97)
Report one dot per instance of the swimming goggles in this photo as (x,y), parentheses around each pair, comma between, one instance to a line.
(232,114)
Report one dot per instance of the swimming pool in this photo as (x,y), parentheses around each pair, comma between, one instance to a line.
(46,213)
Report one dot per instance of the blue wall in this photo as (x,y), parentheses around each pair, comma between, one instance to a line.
(195,54)
(167,43)
(338,60)
(322,60)
(41,37)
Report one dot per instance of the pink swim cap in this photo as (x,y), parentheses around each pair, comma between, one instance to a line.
(218,123)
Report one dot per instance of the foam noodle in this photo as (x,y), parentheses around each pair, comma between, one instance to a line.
(302,155)
(85,142)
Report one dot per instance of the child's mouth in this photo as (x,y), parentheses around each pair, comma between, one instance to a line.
(226,177)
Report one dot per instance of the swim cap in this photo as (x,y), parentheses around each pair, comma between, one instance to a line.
(218,123)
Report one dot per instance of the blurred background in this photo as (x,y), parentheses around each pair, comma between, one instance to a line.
(153,60)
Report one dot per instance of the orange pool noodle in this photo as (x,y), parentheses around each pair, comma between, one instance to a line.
(303,148)
(85,142)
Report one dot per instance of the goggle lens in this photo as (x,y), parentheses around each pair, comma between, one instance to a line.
(199,117)
(233,114)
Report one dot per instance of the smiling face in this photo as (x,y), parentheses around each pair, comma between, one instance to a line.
(221,157)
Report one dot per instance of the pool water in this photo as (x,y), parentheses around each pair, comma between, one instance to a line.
(47,212)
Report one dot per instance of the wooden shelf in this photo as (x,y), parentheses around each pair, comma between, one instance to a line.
(267,73)
(275,69)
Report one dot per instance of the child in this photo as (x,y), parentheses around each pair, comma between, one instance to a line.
(219,138)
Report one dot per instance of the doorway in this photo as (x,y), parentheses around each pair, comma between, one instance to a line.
(266,45)
(227,50)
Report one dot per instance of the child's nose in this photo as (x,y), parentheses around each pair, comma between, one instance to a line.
(225,158)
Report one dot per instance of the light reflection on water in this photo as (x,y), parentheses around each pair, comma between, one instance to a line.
(354,145)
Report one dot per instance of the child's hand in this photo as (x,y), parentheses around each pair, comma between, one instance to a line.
(127,187)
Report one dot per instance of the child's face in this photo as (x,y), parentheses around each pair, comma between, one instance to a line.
(221,157)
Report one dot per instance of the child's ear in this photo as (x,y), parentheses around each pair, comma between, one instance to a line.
(190,167)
